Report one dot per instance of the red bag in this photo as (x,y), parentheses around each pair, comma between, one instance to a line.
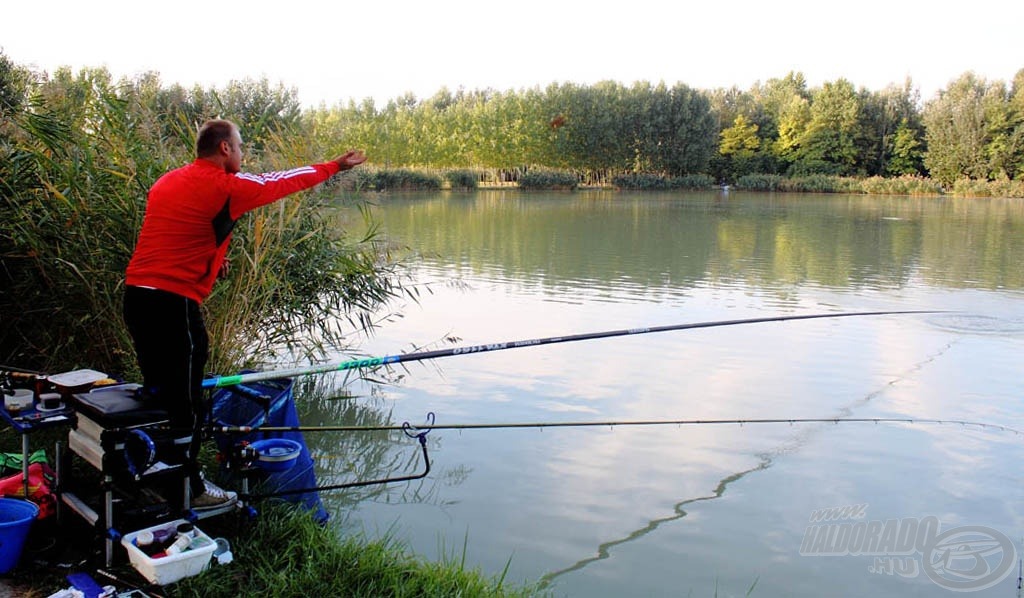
(40,488)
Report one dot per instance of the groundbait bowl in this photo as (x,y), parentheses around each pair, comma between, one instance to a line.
(276,454)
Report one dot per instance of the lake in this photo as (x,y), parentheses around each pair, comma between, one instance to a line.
(797,508)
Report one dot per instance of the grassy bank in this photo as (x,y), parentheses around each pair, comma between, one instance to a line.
(286,553)
(283,552)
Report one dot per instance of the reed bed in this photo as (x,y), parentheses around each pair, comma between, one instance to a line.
(78,153)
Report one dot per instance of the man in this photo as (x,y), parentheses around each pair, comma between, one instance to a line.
(190,213)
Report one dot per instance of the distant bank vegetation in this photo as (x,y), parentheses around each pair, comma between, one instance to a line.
(968,139)
(780,134)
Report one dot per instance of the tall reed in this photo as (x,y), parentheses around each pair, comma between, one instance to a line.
(84,155)
(79,154)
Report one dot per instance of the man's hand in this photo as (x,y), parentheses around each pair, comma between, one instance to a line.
(350,159)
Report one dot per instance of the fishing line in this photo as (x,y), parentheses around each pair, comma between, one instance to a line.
(848,410)
(767,458)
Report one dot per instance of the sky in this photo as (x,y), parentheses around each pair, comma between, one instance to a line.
(332,52)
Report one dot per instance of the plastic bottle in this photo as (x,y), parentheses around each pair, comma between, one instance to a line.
(180,545)
(185,534)
(186,529)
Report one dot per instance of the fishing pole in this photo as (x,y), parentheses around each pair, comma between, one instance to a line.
(222,381)
(420,433)
(616,423)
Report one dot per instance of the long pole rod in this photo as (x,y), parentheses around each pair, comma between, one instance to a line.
(354,364)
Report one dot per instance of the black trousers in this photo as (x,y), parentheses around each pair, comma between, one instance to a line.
(172,347)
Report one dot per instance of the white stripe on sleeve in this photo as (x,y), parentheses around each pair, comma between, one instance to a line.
(269,177)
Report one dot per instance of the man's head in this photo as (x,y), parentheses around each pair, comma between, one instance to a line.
(220,142)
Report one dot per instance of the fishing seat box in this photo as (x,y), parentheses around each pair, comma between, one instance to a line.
(105,416)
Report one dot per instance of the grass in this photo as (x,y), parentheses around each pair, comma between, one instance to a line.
(463,179)
(552,180)
(903,185)
(286,553)
(398,179)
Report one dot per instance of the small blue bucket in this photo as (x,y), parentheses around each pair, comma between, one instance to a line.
(16,518)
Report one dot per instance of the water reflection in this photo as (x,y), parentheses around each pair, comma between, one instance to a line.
(347,457)
(646,244)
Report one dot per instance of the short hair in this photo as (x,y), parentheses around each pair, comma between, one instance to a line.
(211,134)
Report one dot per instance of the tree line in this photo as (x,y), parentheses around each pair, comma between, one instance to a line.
(973,129)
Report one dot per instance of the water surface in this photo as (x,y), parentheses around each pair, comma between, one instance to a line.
(701,510)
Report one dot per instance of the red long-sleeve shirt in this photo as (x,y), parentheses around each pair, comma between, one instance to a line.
(190,213)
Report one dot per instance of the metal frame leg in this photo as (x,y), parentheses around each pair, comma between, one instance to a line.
(108,517)
(24,462)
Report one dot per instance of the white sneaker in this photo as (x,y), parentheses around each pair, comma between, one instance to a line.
(213,498)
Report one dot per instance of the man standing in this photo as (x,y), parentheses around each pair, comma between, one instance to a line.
(190,213)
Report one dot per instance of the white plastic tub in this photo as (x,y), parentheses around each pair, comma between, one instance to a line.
(173,567)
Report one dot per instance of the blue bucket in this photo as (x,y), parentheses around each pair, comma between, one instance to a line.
(16,518)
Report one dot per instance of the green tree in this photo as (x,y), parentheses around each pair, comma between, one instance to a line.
(792,122)
(884,115)
(727,104)
(596,136)
(907,152)
(260,109)
(783,113)
(738,148)
(740,139)
(956,131)
(828,142)
(670,129)
(1004,121)
(13,84)
(690,142)
(1014,163)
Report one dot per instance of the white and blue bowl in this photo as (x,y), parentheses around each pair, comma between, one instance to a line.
(276,454)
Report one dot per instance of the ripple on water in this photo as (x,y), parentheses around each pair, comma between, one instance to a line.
(977,324)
